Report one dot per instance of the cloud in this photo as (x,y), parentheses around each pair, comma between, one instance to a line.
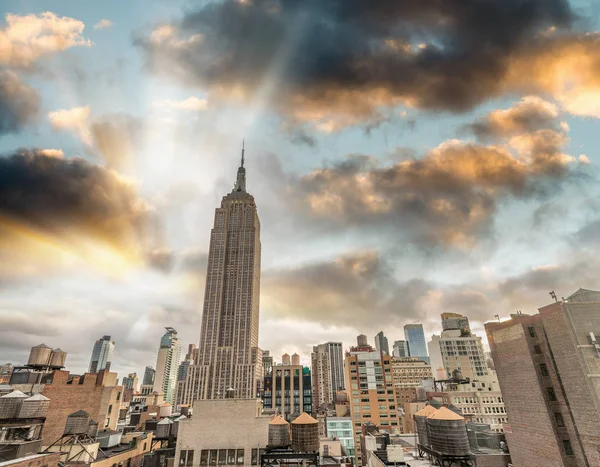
(447,198)
(25,39)
(52,153)
(76,120)
(113,136)
(56,208)
(335,63)
(532,113)
(19,103)
(192,103)
(103,24)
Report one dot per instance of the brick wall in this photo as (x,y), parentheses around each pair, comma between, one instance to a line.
(36,460)
(83,393)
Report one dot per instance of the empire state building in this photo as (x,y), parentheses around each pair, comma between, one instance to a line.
(228,356)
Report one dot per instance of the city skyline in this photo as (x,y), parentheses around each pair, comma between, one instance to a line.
(384,197)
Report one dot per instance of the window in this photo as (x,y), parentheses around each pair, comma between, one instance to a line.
(559,419)
(204,457)
(543,369)
(568,448)
(551,394)
(118,396)
(231,457)
(212,458)
(182,457)
(254,456)
(190,458)
(537,349)
(240,457)
(109,409)
(531,330)
(222,456)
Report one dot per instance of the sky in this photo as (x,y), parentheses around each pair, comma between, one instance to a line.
(407,159)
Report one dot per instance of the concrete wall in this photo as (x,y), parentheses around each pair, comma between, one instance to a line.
(223,424)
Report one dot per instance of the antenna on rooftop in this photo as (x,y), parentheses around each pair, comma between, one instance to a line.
(553,295)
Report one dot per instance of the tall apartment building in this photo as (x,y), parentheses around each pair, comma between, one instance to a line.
(457,349)
(407,375)
(381,343)
(400,349)
(167,364)
(548,367)
(102,355)
(327,372)
(288,389)
(228,355)
(371,390)
(149,373)
(417,347)
(131,381)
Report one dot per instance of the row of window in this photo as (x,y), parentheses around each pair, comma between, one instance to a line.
(218,457)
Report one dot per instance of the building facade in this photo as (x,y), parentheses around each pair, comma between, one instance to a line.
(222,432)
(288,390)
(381,343)
(457,349)
(417,347)
(327,372)
(408,374)
(228,355)
(400,349)
(149,376)
(341,428)
(267,361)
(102,355)
(167,365)
(370,386)
(131,381)
(548,366)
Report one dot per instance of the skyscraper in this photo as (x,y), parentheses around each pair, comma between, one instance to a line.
(548,366)
(327,372)
(400,349)
(130,381)
(148,376)
(102,355)
(167,364)
(228,355)
(417,347)
(381,343)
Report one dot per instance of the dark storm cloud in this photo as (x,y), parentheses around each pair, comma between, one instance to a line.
(19,103)
(68,198)
(353,56)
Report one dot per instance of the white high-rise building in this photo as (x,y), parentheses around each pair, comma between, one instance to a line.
(167,365)
(327,372)
(102,355)
(228,354)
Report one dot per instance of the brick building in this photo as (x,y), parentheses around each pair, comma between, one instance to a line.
(548,367)
(96,393)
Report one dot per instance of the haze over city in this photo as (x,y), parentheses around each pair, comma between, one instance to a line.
(406,160)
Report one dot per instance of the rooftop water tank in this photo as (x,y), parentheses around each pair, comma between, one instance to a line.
(305,434)
(279,432)
(39,355)
(77,423)
(163,428)
(34,407)
(10,404)
(421,425)
(58,358)
(164,410)
(447,433)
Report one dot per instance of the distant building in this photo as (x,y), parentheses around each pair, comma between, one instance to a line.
(148,376)
(288,390)
(327,361)
(417,347)
(131,381)
(381,343)
(102,355)
(400,349)
(342,429)
(408,373)
(5,372)
(182,375)
(267,361)
(548,366)
(457,349)
(167,365)
(371,390)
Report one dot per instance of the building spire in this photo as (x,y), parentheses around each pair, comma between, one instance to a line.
(240,184)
